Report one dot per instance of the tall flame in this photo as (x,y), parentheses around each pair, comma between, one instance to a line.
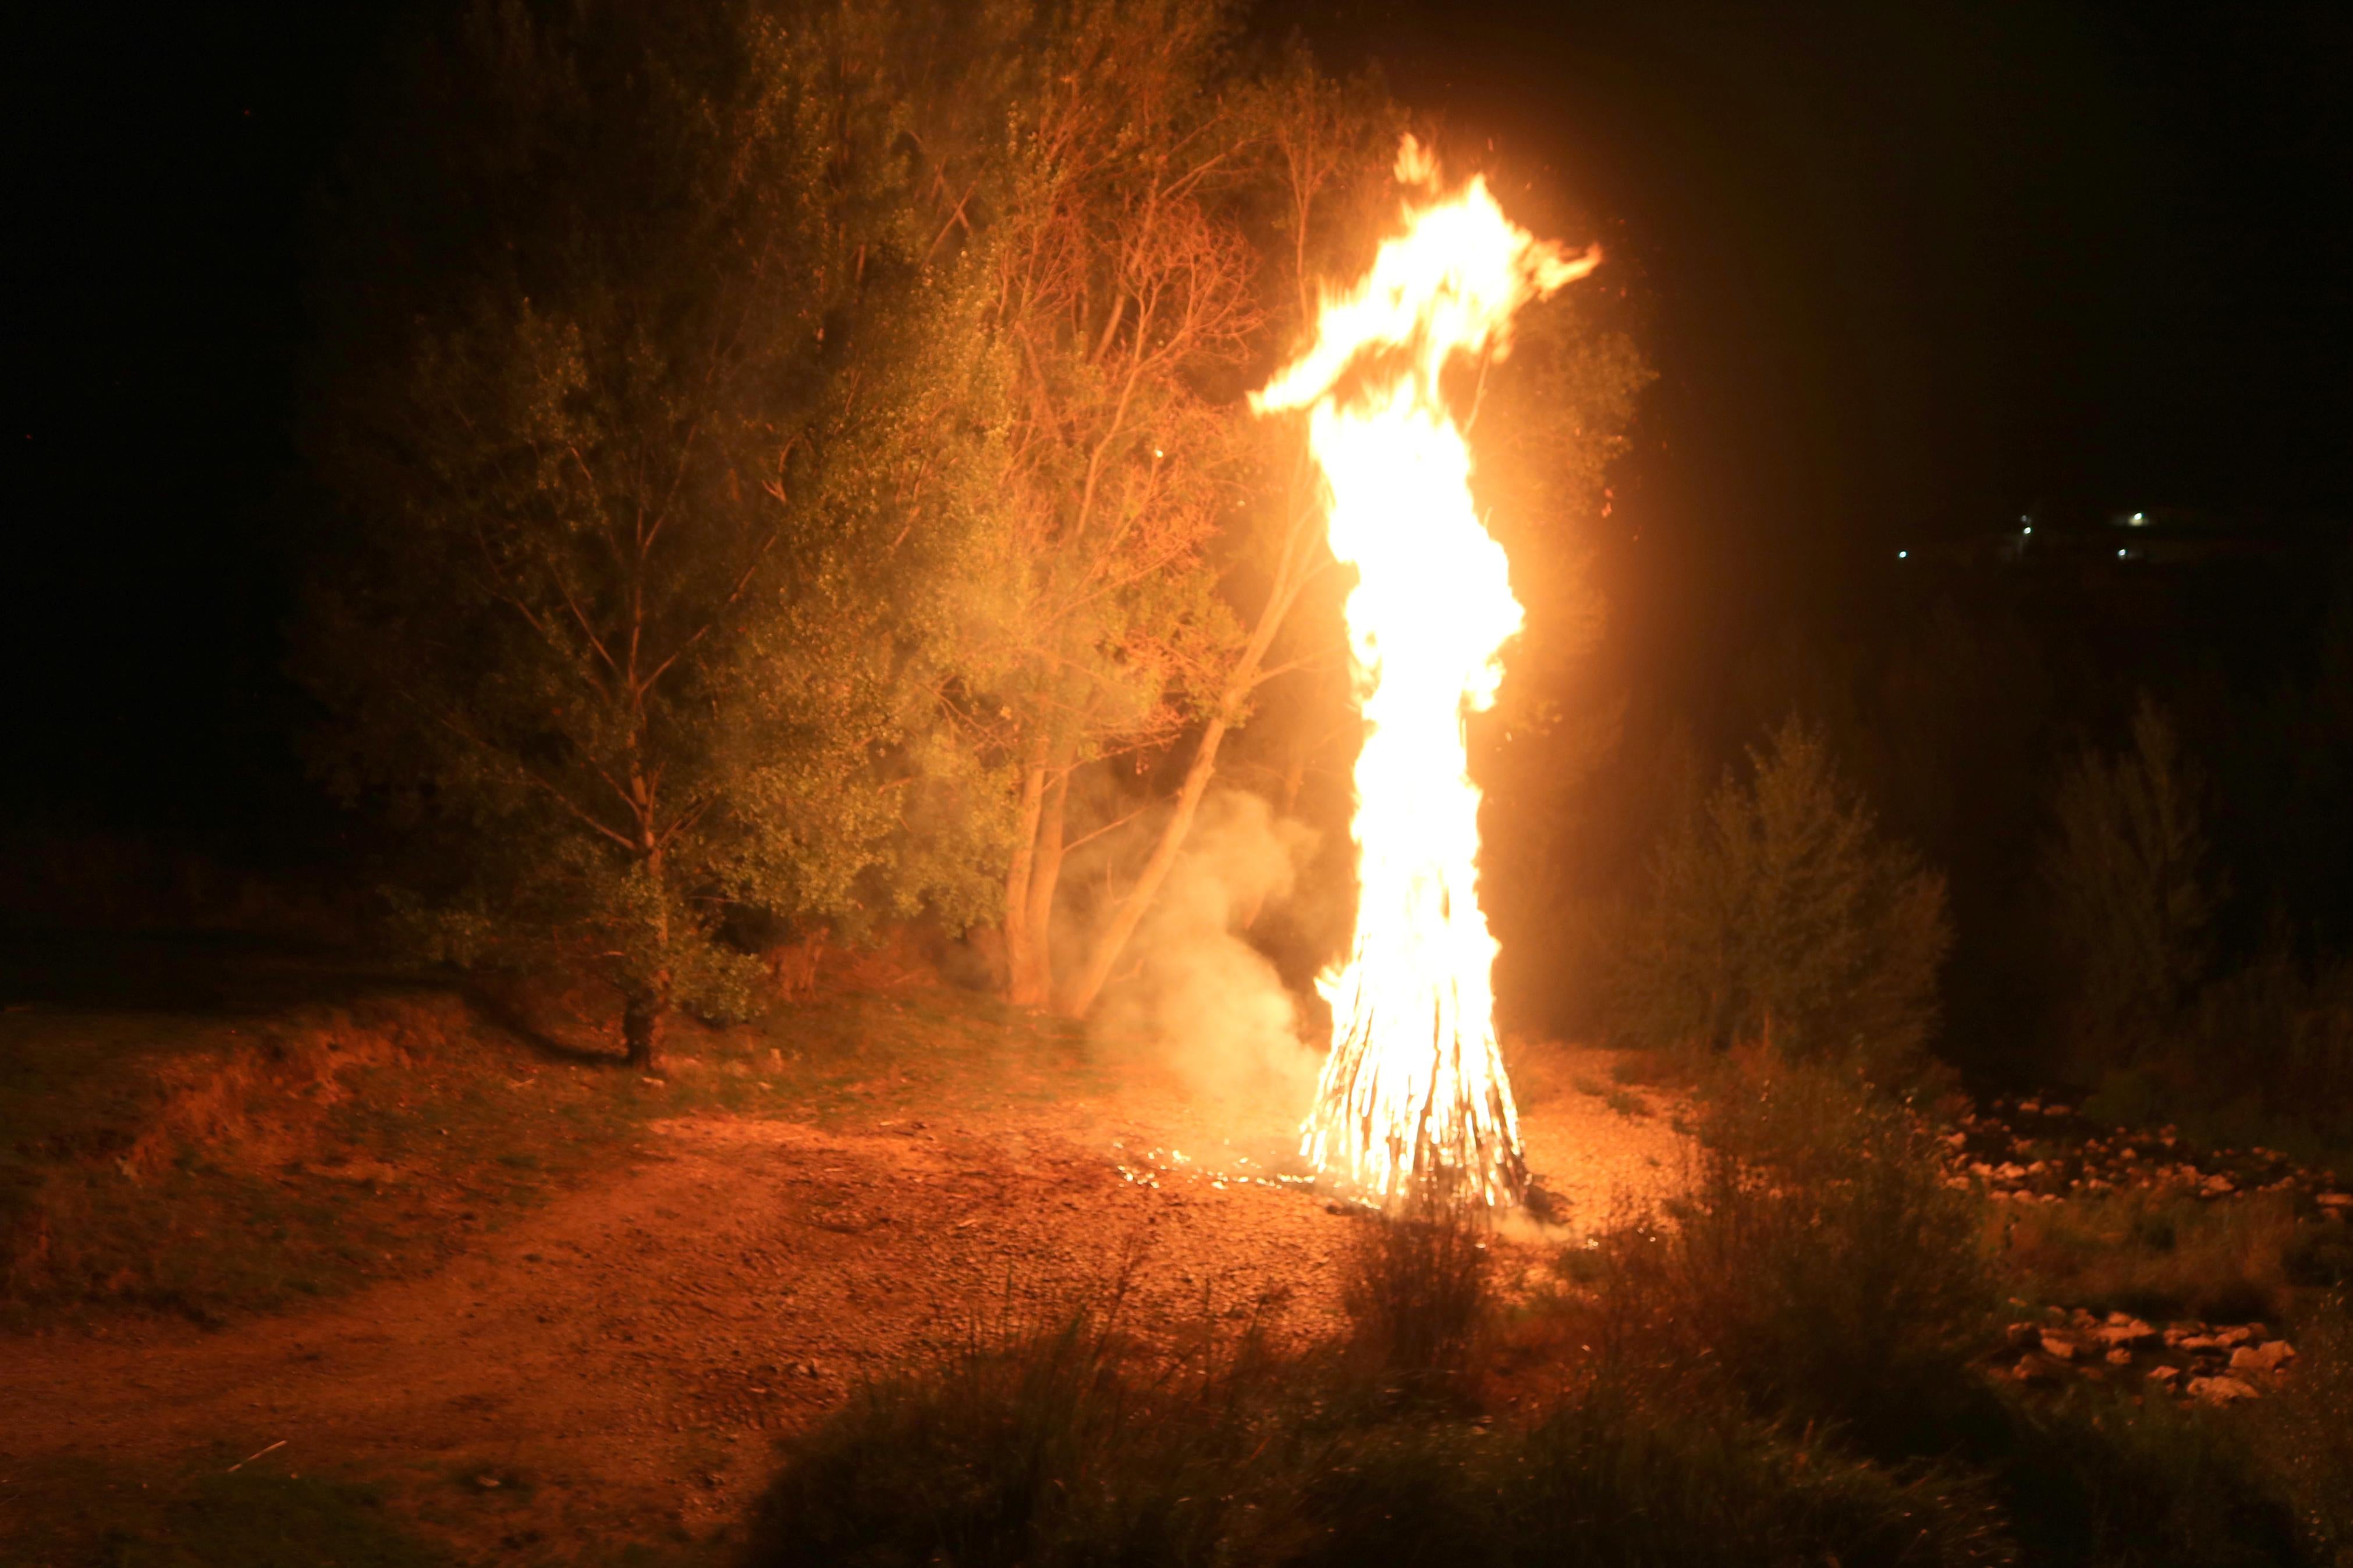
(1414,1097)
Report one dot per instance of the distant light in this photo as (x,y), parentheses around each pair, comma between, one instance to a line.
(1903,555)
(2139,518)
(2028,529)
(2120,555)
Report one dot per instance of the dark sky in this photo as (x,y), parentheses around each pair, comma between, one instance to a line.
(1908,267)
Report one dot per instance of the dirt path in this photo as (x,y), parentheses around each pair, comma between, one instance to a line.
(615,1366)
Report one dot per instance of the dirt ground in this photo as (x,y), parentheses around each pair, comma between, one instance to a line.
(617,1365)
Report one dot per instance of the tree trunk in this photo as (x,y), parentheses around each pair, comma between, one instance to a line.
(1020,937)
(1138,898)
(644,1004)
(643,1015)
(1045,871)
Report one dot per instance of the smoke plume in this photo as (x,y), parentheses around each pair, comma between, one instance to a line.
(1192,989)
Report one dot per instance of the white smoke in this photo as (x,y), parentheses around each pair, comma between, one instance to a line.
(1191,989)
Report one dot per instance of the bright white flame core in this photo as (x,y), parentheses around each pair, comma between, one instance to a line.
(1414,1095)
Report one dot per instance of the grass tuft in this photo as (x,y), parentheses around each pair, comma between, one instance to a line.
(1419,1289)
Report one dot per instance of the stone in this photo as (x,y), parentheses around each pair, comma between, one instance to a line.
(2163,1376)
(2064,1349)
(2120,1356)
(2221,1389)
(2261,1358)
(2130,1331)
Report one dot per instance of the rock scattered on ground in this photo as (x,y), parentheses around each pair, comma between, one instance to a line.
(2218,1363)
(2035,1151)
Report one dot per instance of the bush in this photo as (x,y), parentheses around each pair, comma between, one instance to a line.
(1820,1264)
(1788,1388)
(1070,1447)
(2101,1478)
(1065,1446)
(1418,1289)
(2128,895)
(1607,1481)
(2280,1036)
(1779,914)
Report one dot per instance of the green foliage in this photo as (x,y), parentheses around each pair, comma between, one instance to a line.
(1821,1263)
(2272,1042)
(651,449)
(1777,914)
(2259,1053)
(1612,1480)
(2128,889)
(1074,1447)
(1057,1447)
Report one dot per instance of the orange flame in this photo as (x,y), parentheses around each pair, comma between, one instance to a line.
(1414,1095)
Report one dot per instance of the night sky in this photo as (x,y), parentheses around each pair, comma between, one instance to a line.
(1907,268)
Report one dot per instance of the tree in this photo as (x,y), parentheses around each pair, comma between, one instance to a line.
(1322,150)
(1121,278)
(2126,873)
(1311,190)
(652,445)
(1778,915)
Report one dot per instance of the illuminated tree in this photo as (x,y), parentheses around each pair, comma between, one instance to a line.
(652,443)
(1121,276)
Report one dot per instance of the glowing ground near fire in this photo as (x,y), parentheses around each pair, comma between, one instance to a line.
(1414,1097)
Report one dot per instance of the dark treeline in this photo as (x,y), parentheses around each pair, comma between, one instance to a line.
(2122,750)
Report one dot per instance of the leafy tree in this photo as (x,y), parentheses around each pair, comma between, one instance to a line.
(2126,872)
(1778,915)
(652,447)
(1289,173)
(1318,154)
(1119,277)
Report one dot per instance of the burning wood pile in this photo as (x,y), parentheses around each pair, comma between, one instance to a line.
(1414,1100)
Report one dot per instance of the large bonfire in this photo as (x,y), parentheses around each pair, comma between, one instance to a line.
(1414,1101)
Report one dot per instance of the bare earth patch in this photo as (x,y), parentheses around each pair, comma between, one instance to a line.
(615,1366)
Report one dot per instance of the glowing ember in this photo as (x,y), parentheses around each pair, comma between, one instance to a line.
(1414,1095)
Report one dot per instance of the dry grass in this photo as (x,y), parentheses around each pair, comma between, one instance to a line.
(1420,1290)
(2156,1256)
(1819,1264)
(213,1167)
